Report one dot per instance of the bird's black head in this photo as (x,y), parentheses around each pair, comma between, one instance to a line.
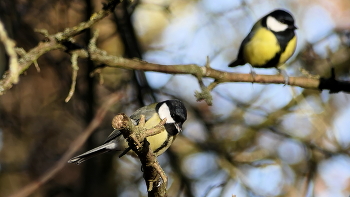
(174,111)
(279,21)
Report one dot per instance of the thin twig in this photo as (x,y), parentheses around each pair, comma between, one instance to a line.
(75,69)
(36,66)
(9,45)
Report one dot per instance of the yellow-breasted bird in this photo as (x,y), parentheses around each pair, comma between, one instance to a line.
(173,110)
(270,43)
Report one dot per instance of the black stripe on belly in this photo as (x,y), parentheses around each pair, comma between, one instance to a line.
(272,63)
(284,38)
(172,131)
(169,139)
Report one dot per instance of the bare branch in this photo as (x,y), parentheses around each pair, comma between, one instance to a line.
(52,42)
(27,59)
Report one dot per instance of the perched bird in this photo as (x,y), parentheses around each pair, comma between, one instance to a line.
(270,43)
(173,110)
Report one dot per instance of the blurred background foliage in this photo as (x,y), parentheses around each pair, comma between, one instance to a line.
(256,140)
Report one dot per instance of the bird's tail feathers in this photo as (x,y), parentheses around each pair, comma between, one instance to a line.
(237,62)
(94,152)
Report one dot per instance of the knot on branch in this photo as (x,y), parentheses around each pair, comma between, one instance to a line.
(119,121)
(204,95)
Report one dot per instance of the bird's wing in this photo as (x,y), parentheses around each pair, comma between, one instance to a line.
(116,133)
(240,59)
(148,111)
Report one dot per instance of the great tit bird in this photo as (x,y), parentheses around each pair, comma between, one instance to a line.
(173,110)
(270,43)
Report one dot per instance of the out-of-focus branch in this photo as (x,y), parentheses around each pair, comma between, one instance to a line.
(102,57)
(71,32)
(52,42)
(219,76)
(132,49)
(75,145)
(136,137)
(25,61)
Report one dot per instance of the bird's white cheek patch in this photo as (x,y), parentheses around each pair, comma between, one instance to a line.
(164,112)
(275,25)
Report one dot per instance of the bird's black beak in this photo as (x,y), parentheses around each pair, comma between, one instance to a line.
(293,27)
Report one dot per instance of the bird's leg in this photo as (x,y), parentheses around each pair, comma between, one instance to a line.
(252,72)
(285,75)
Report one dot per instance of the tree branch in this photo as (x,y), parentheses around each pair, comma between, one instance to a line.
(100,56)
(136,137)
(53,42)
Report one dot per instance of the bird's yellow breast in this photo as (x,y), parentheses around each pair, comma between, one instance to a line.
(262,47)
(157,140)
(288,52)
